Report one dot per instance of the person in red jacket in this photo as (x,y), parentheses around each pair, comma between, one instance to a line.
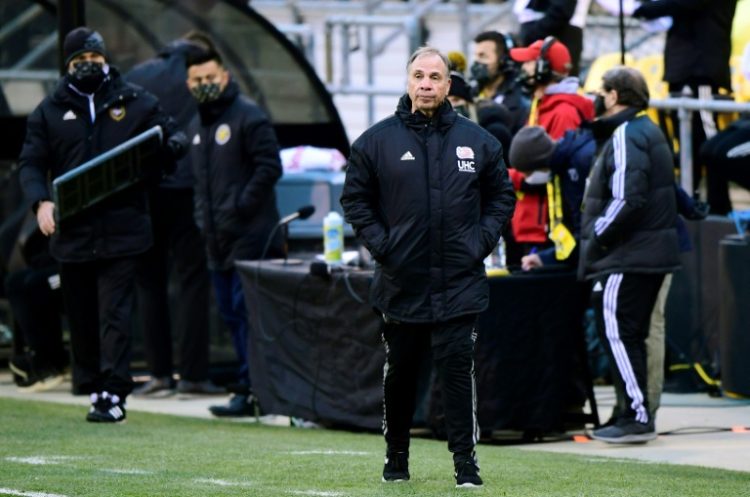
(557,107)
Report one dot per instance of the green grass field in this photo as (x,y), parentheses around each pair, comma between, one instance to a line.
(48,449)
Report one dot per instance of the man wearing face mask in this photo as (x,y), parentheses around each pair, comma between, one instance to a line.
(235,158)
(91,111)
(628,239)
(557,107)
(494,76)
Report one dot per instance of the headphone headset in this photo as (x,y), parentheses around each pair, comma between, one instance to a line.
(543,73)
(506,64)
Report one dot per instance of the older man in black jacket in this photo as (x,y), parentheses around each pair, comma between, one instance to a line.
(628,238)
(91,111)
(427,193)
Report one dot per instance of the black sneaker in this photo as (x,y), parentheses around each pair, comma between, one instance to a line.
(396,467)
(626,431)
(106,408)
(467,472)
(240,405)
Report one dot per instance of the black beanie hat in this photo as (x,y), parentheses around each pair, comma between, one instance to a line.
(459,87)
(82,40)
(531,149)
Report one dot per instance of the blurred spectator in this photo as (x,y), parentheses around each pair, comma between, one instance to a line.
(557,107)
(564,166)
(727,155)
(556,104)
(727,158)
(494,76)
(39,356)
(696,57)
(460,96)
(563,19)
(177,243)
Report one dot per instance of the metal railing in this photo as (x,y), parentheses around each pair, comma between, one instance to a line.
(406,20)
(685,106)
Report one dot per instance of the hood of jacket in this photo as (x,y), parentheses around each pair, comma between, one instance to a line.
(583,105)
(442,119)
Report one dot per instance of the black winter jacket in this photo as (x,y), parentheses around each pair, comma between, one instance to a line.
(629,211)
(236,164)
(429,198)
(164,76)
(60,136)
(698,43)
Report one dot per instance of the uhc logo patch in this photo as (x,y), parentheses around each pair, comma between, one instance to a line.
(465,160)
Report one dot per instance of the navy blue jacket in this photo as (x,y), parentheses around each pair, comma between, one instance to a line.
(165,76)
(236,164)
(571,162)
(429,198)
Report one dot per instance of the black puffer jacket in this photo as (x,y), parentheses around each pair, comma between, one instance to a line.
(236,164)
(429,199)
(164,76)
(630,208)
(61,136)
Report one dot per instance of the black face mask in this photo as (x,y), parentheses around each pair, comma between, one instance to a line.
(87,76)
(480,73)
(599,108)
(527,82)
(206,93)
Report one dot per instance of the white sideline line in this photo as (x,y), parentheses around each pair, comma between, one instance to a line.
(9,491)
(328,453)
(316,493)
(40,460)
(223,483)
(127,471)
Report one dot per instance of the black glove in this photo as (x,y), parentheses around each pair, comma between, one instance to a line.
(698,212)
(177,145)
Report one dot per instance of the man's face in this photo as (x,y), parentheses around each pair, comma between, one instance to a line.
(428,84)
(605,102)
(210,72)
(485,52)
(85,57)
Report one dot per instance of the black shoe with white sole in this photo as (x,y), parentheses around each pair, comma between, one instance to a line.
(106,408)
(467,472)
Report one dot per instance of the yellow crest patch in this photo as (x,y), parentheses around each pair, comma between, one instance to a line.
(117,113)
(223,134)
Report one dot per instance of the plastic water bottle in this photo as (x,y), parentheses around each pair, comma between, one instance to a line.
(500,253)
(333,237)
